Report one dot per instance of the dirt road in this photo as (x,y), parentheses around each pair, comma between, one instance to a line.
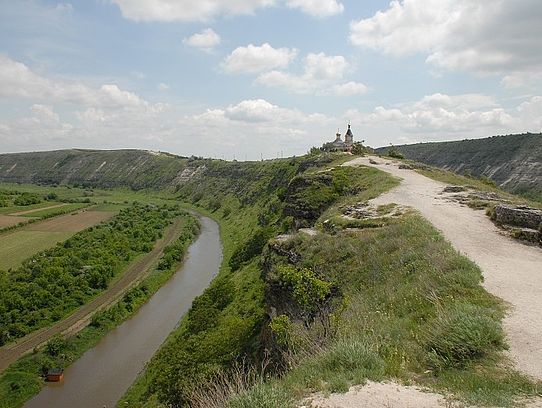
(38,209)
(511,270)
(135,272)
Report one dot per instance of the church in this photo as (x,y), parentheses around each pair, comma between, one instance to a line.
(338,145)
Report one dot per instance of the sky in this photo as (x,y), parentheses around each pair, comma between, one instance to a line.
(248,79)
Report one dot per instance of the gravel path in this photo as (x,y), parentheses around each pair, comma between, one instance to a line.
(511,270)
(135,272)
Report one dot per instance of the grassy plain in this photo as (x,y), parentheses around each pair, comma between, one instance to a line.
(16,246)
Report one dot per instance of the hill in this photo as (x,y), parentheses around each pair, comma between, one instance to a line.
(137,169)
(514,162)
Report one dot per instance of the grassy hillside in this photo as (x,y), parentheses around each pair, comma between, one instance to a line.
(514,162)
(97,168)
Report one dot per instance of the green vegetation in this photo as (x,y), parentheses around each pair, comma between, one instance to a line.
(407,306)
(348,306)
(56,281)
(22,379)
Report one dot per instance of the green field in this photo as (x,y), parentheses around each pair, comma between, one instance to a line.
(15,247)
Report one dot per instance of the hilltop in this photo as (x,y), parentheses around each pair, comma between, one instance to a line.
(514,162)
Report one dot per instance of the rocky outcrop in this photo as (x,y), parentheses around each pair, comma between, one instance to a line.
(520,216)
(523,222)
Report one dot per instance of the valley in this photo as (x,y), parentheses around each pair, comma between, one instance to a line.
(321,290)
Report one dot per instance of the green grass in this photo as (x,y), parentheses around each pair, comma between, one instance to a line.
(17,246)
(22,379)
(409,307)
(113,207)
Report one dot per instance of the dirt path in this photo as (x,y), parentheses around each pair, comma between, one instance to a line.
(512,271)
(38,209)
(379,395)
(135,272)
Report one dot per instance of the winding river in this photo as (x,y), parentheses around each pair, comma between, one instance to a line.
(103,374)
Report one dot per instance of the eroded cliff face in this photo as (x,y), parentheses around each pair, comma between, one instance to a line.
(514,162)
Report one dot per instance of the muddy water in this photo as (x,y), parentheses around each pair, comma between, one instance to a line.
(103,374)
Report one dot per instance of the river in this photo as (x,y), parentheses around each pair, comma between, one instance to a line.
(103,374)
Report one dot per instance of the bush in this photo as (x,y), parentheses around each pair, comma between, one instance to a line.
(27,199)
(461,335)
(395,153)
(352,356)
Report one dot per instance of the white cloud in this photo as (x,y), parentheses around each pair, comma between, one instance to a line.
(253,59)
(445,115)
(205,40)
(322,74)
(317,8)
(187,10)
(500,37)
(350,88)
(19,81)
(205,10)
(163,87)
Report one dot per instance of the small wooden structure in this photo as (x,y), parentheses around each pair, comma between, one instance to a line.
(55,375)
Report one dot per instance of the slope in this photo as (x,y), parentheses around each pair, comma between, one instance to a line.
(514,162)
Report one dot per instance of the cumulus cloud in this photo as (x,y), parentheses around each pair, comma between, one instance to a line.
(205,40)
(445,115)
(18,80)
(501,37)
(317,8)
(322,74)
(204,10)
(253,59)
(350,88)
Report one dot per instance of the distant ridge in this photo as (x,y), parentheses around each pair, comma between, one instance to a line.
(514,162)
(136,169)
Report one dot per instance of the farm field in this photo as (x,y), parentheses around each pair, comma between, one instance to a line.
(9,220)
(53,210)
(20,209)
(18,245)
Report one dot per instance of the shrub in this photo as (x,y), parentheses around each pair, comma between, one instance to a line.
(395,153)
(352,356)
(281,326)
(461,335)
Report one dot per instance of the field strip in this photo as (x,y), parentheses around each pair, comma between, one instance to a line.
(37,209)
(71,222)
(23,242)
(10,220)
(133,274)
(511,270)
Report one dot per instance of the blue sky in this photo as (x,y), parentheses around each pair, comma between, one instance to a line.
(246,78)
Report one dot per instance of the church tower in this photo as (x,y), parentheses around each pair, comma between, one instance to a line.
(349,137)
